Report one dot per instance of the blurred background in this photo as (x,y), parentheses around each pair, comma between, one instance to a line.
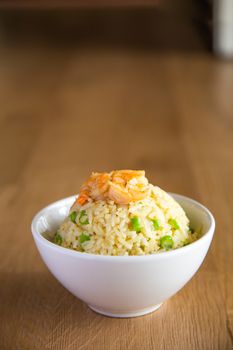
(96,85)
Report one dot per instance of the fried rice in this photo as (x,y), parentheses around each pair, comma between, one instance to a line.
(103,226)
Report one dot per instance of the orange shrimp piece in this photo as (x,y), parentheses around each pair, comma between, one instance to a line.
(120,186)
(128,186)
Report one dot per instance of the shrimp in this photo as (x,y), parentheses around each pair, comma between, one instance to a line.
(128,186)
(95,187)
(120,186)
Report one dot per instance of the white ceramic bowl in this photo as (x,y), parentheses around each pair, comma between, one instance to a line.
(123,286)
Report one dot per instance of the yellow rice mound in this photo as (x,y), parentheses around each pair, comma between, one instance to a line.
(107,228)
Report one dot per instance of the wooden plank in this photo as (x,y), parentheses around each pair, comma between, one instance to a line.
(69,109)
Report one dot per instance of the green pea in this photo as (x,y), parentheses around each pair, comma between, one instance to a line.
(84,238)
(156,224)
(73,216)
(135,224)
(166,242)
(174,224)
(83,218)
(58,239)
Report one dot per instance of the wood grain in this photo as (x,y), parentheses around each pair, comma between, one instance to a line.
(70,108)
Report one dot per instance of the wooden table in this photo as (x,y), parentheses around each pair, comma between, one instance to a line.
(68,109)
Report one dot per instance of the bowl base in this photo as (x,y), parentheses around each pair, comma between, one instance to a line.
(137,313)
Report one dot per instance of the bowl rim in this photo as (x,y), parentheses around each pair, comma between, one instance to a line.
(160,255)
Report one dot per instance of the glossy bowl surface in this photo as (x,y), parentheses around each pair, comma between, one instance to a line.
(123,286)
